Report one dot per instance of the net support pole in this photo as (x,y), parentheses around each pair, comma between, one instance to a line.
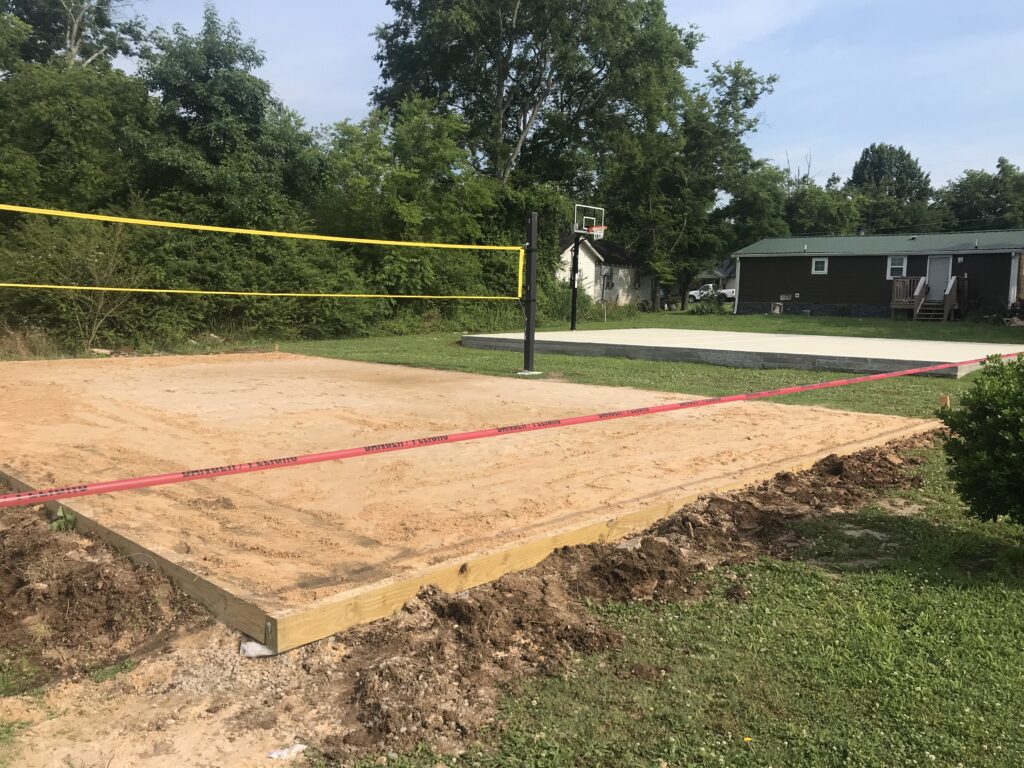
(574,279)
(530,293)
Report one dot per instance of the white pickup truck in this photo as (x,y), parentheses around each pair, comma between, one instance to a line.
(709,292)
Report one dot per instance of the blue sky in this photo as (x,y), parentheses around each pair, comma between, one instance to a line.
(944,78)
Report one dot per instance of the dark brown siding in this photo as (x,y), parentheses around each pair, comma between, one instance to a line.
(918,266)
(859,284)
(988,280)
(850,280)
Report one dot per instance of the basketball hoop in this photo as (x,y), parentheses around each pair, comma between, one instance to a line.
(588,220)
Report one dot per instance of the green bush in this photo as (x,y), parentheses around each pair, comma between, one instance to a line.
(554,303)
(713,305)
(985,447)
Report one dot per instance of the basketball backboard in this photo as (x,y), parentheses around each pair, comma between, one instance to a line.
(588,220)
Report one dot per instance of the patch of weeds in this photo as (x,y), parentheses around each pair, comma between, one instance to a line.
(64,520)
(8,732)
(103,674)
(16,676)
(421,756)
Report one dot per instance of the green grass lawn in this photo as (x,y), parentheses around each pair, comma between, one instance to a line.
(815,325)
(911,396)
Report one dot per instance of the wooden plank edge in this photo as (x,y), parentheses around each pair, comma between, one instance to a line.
(227,607)
(385,598)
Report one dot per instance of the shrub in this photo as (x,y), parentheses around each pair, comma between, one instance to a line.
(710,306)
(985,447)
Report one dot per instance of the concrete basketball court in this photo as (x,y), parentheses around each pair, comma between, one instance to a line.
(293,555)
(756,350)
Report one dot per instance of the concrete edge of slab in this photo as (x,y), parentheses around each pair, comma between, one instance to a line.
(724,357)
(284,630)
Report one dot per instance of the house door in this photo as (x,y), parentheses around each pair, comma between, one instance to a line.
(940,269)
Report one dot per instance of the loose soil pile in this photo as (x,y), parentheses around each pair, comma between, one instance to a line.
(432,673)
(69,604)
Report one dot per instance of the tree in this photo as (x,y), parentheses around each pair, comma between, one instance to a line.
(72,253)
(13,34)
(894,193)
(816,210)
(69,140)
(411,179)
(76,32)
(757,207)
(984,200)
(665,184)
(541,84)
(224,149)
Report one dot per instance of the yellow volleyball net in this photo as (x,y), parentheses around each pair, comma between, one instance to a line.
(517,255)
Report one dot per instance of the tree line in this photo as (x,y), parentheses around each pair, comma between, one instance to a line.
(484,109)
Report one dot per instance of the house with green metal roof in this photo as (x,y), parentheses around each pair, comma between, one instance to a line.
(929,276)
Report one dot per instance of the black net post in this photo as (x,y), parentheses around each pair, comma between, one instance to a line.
(530,293)
(574,279)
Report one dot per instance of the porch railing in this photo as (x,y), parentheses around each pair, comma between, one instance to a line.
(920,294)
(949,299)
(903,292)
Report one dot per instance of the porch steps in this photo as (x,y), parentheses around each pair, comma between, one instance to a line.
(931,312)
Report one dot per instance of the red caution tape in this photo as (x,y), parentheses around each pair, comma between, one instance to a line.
(24,498)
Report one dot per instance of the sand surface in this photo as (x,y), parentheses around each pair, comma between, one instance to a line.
(287,537)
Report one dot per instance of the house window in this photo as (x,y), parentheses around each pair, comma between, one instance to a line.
(896,267)
(819,266)
(609,280)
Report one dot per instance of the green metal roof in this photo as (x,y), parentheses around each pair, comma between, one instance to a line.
(945,242)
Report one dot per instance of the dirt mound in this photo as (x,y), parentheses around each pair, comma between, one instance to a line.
(439,663)
(754,518)
(69,604)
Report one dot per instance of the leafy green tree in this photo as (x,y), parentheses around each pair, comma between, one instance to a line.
(224,148)
(540,83)
(76,32)
(70,253)
(69,140)
(411,179)
(13,34)
(665,184)
(894,192)
(815,210)
(224,151)
(984,200)
(757,207)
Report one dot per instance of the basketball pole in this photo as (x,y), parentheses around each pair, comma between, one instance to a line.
(530,293)
(574,278)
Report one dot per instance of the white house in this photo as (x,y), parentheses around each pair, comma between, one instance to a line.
(608,273)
